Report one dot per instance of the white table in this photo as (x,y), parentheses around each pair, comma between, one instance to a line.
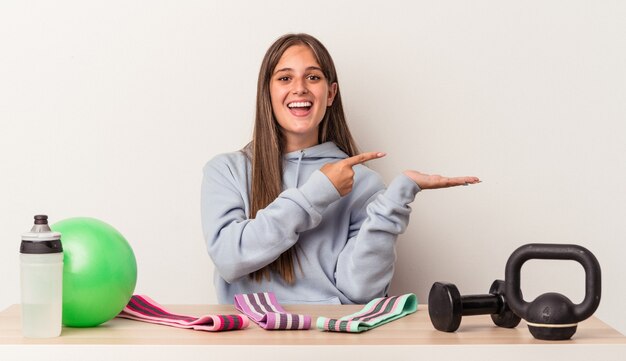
(411,337)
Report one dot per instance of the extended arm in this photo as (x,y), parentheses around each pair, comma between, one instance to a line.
(365,266)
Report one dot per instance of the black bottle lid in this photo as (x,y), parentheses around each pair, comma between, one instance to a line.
(41,239)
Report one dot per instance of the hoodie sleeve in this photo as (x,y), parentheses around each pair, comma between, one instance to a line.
(366,264)
(239,246)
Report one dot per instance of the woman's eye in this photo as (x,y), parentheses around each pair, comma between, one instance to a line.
(314,77)
(283,78)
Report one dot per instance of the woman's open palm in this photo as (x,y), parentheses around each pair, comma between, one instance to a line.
(428,181)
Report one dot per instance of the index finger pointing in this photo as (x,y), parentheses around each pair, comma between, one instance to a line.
(362,158)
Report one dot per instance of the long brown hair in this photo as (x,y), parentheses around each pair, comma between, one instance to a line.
(268,141)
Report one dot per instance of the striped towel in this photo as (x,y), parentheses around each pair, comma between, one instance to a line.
(377,312)
(264,310)
(143,308)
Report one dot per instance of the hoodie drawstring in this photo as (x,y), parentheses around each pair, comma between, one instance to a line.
(298,167)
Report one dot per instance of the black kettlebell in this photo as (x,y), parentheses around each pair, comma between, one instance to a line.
(552,316)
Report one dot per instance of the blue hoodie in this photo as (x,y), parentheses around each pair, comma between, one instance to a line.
(346,245)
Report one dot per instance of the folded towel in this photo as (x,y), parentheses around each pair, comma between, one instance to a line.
(143,308)
(265,311)
(377,312)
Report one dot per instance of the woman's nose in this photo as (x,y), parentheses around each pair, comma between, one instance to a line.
(299,87)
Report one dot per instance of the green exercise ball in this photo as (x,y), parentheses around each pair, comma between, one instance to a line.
(99,271)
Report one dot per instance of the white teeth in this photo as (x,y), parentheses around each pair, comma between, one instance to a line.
(299,104)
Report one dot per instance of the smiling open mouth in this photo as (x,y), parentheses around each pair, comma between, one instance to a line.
(300,105)
(300,108)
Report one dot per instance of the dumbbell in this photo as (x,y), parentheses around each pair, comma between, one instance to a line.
(446,306)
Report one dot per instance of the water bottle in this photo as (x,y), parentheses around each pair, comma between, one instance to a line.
(41,280)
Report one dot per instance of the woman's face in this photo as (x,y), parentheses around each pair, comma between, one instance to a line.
(300,95)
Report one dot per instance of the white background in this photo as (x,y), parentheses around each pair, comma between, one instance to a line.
(109,109)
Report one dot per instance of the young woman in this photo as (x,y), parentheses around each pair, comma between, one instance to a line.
(295,212)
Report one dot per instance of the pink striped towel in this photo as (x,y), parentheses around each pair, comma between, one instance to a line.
(265,311)
(143,308)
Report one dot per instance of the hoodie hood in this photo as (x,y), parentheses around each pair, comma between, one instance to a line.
(325,152)
(315,153)
(299,165)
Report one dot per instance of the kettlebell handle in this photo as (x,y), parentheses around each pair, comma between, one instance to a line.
(576,253)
